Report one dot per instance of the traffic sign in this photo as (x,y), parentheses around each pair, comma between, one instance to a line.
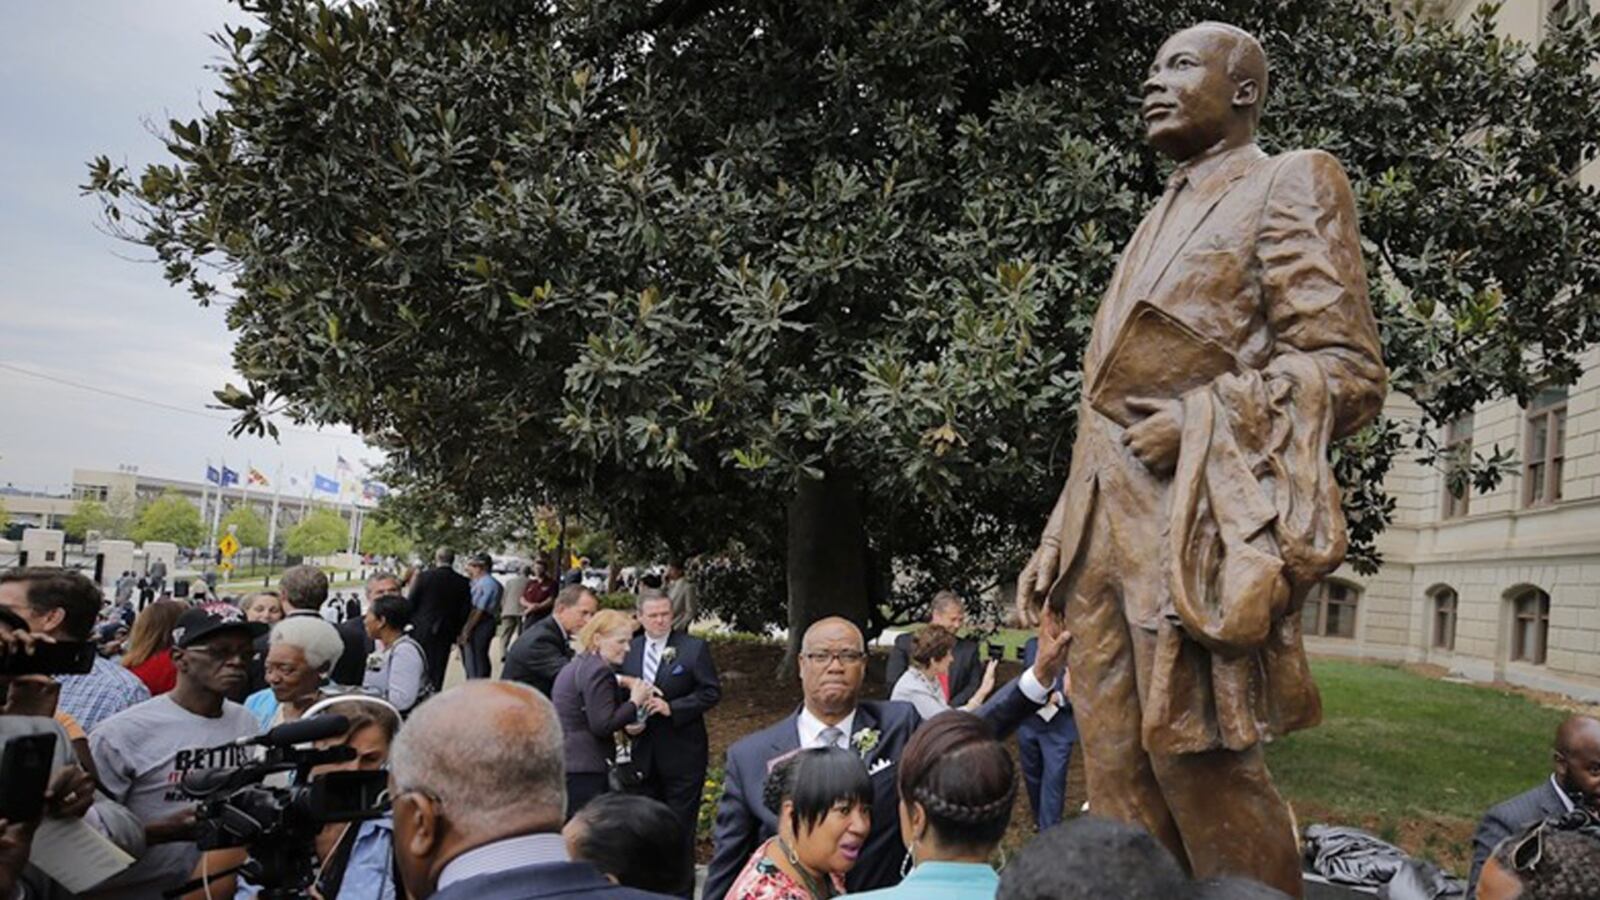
(229,545)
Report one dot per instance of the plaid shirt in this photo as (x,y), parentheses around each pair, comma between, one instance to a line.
(107,690)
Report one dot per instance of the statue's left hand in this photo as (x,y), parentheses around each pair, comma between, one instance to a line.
(1155,438)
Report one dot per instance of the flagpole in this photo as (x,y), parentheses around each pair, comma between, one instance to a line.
(216,511)
(272,521)
(205,490)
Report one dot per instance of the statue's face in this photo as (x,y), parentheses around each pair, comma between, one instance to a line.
(1190,100)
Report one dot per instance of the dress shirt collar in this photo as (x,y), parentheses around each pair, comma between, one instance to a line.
(503,855)
(1565,800)
(811,728)
(1198,170)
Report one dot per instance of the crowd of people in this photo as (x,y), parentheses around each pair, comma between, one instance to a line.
(580,771)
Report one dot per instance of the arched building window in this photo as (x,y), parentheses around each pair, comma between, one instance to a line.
(1330,610)
(1530,626)
(1445,602)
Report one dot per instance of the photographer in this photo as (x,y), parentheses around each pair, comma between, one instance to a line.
(26,705)
(355,860)
(144,752)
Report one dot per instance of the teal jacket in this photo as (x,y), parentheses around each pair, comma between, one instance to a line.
(941,881)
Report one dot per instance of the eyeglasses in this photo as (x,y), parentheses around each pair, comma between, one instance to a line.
(222,654)
(829,657)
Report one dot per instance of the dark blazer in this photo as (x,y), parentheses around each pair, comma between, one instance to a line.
(441,600)
(1507,819)
(676,744)
(743,821)
(351,667)
(966,671)
(569,879)
(538,655)
(591,707)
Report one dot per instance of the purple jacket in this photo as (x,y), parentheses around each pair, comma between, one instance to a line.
(591,707)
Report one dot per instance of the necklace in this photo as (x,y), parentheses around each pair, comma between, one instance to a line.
(812,888)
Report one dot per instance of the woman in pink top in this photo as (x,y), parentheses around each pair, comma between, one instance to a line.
(823,801)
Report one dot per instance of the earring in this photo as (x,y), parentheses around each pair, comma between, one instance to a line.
(909,861)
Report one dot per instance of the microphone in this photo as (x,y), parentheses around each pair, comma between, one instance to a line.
(304,731)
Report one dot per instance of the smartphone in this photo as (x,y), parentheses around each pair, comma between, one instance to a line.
(25,768)
(60,658)
(997,651)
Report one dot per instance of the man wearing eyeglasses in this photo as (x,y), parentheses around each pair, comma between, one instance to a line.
(143,752)
(833,663)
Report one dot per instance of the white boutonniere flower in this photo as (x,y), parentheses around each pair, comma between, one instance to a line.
(865,741)
(668,655)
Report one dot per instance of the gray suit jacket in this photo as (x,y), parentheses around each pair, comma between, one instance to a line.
(1507,819)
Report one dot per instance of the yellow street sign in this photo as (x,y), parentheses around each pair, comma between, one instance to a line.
(229,545)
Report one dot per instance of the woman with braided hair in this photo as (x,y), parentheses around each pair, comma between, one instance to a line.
(823,800)
(957,785)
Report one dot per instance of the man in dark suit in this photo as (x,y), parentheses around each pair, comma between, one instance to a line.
(966,671)
(1044,742)
(481,819)
(351,668)
(671,753)
(1574,783)
(442,600)
(833,661)
(539,654)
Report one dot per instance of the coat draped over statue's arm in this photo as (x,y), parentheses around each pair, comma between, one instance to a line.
(1255,514)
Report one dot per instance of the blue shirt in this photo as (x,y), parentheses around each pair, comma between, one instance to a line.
(263,704)
(486,595)
(941,881)
(107,689)
(369,873)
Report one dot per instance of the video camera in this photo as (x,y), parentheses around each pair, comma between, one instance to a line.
(279,825)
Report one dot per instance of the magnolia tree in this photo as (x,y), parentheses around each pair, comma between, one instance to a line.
(814,277)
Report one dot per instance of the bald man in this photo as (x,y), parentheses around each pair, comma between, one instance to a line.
(1574,783)
(479,791)
(1234,342)
(833,661)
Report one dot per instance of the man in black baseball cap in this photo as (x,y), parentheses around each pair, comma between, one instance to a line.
(144,752)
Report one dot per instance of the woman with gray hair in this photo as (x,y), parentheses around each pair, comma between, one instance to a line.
(300,653)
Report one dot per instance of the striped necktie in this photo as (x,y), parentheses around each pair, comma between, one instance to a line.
(829,737)
(652,659)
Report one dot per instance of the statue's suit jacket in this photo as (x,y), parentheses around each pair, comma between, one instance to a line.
(1262,257)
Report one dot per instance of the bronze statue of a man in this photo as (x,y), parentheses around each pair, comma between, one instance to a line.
(1234,342)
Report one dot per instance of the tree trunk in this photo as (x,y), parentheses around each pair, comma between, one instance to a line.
(827,559)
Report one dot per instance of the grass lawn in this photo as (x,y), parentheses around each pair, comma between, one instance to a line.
(1411,758)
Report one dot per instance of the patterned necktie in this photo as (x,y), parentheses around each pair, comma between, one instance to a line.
(651,660)
(829,737)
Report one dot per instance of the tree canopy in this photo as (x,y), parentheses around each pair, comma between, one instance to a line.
(170,518)
(675,261)
(385,537)
(320,533)
(87,516)
(249,529)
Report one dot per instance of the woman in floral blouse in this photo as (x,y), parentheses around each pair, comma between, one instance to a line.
(823,801)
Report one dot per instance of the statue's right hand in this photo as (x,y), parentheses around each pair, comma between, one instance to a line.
(1033,585)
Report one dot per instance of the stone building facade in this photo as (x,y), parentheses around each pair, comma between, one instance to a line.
(1503,586)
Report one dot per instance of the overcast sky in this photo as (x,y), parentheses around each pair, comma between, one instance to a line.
(80,78)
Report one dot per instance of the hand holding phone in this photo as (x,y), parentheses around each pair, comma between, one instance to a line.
(25,767)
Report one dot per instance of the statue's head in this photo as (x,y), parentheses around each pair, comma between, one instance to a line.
(1207,85)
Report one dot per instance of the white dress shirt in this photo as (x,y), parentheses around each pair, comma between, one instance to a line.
(811,729)
(1565,800)
(503,855)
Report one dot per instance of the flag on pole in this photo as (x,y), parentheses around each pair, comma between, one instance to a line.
(325,484)
(256,476)
(342,468)
(212,475)
(229,476)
